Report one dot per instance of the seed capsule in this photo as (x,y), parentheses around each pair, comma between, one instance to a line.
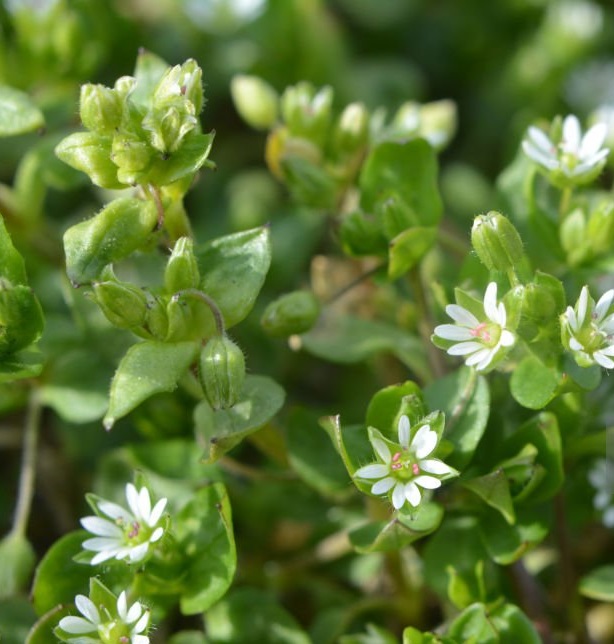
(221,372)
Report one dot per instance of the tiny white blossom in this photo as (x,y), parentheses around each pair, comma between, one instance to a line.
(480,341)
(406,469)
(601,477)
(588,330)
(122,533)
(127,625)
(576,158)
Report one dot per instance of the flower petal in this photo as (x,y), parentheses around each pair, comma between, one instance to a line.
(114,511)
(138,552)
(403,430)
(132,496)
(134,613)
(485,361)
(603,360)
(424,441)
(141,625)
(608,517)
(582,305)
(507,338)
(541,140)
(479,357)
(398,496)
(104,555)
(156,535)
(383,486)
(601,308)
(381,449)
(122,606)
(428,482)
(101,527)
(461,315)
(413,494)
(435,466)
(372,471)
(542,158)
(490,302)
(465,348)
(97,544)
(453,332)
(76,625)
(156,513)
(572,134)
(87,608)
(144,504)
(593,140)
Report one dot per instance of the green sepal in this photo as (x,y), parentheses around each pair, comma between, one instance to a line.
(352,444)
(260,399)
(189,318)
(221,370)
(100,108)
(123,226)
(147,368)
(18,113)
(90,153)
(182,268)
(123,304)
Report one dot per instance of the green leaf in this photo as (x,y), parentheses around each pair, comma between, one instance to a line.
(203,530)
(599,584)
(505,624)
(123,226)
(147,369)
(18,113)
(75,391)
(221,430)
(389,403)
(533,384)
(17,560)
(347,339)
(12,266)
(408,248)
(58,579)
(233,269)
(24,364)
(43,631)
(464,397)
(374,635)
(508,543)
(494,490)
(312,456)
(409,171)
(188,637)
(404,528)
(187,160)
(543,433)
(16,618)
(235,620)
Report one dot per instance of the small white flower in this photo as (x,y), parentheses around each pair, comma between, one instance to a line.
(576,158)
(97,626)
(406,469)
(125,534)
(588,330)
(478,340)
(601,477)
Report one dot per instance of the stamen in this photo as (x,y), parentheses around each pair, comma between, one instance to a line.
(135,530)
(396,457)
(480,332)
(396,466)
(415,468)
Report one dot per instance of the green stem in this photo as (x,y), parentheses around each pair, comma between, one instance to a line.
(425,321)
(27,475)
(348,287)
(564,203)
(155,193)
(210,302)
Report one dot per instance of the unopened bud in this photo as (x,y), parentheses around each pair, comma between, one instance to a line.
(221,372)
(496,242)
(182,268)
(353,128)
(168,127)
(100,108)
(255,100)
(290,314)
(124,305)
(307,114)
(438,122)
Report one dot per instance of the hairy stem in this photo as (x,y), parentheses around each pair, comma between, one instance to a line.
(27,475)
(209,301)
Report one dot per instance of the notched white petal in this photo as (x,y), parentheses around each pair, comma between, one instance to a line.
(453,332)
(461,315)
(424,442)
(383,486)
(371,471)
(403,430)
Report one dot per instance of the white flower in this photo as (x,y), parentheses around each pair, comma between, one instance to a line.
(125,534)
(576,158)
(602,479)
(96,626)
(406,469)
(478,340)
(588,331)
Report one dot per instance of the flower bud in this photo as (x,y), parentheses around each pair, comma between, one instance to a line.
(156,319)
(100,108)
(438,122)
(21,318)
(496,242)
(307,115)
(221,372)
(352,130)
(168,127)
(124,305)
(124,86)
(182,268)
(131,155)
(181,81)
(255,100)
(290,314)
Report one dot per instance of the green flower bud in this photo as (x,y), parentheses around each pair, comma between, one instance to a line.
(307,114)
(352,130)
(438,122)
(168,127)
(182,268)
(496,242)
(132,156)
(290,314)
(124,86)
(181,81)
(100,108)
(21,318)
(124,305)
(221,372)
(255,100)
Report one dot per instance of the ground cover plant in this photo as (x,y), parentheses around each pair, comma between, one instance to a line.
(306,322)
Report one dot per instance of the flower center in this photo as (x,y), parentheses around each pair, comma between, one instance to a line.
(404,465)
(486,333)
(592,338)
